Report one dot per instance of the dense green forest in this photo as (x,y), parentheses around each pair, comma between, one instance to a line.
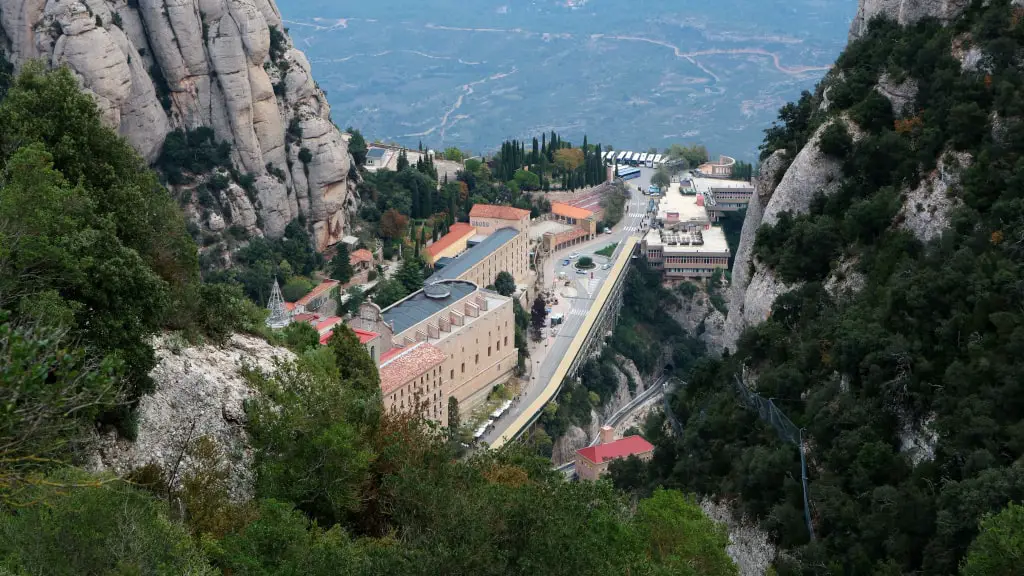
(95,259)
(932,346)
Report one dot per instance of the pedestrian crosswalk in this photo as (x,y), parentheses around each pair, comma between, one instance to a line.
(632,228)
(637,214)
(580,312)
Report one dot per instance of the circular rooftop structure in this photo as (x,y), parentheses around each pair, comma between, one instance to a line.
(437,291)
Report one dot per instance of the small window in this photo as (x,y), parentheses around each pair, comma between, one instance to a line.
(453,374)
(506,340)
(463,367)
(477,358)
(488,351)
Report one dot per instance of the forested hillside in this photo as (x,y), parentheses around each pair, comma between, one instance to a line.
(95,260)
(897,344)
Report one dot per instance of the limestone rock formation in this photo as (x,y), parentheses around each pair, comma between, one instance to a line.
(926,209)
(900,94)
(154,66)
(754,287)
(199,392)
(701,319)
(904,12)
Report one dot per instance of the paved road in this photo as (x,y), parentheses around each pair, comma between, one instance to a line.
(587,286)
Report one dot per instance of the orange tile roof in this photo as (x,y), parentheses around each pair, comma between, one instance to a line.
(409,364)
(568,211)
(361,255)
(495,211)
(325,337)
(457,232)
(365,335)
(391,354)
(327,324)
(324,286)
(628,446)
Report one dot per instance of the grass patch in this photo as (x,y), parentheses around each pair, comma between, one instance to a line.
(607,250)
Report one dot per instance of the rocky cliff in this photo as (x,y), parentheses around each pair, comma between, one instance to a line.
(154,66)
(200,392)
(788,184)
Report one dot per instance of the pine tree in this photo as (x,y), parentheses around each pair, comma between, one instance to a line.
(403,160)
(341,267)
(453,417)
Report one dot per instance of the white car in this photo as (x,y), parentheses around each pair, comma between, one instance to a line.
(574,255)
(605,266)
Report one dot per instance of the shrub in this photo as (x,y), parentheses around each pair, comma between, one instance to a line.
(835,140)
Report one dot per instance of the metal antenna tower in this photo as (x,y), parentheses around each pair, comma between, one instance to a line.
(279,317)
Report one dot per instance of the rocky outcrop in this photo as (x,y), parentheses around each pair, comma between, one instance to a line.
(743,265)
(755,287)
(158,65)
(900,95)
(199,392)
(750,547)
(565,447)
(702,320)
(904,12)
(926,209)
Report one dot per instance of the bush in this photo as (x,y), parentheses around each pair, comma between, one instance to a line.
(835,140)
(305,156)
(296,288)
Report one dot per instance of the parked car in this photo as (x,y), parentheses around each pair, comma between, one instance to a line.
(654,189)
(581,271)
(606,266)
(607,230)
(565,262)
(574,255)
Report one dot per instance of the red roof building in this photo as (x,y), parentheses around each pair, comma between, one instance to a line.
(496,211)
(570,213)
(316,297)
(592,461)
(451,244)
(413,380)
(361,260)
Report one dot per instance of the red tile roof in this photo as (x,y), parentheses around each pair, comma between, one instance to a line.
(325,337)
(569,211)
(457,232)
(305,317)
(289,305)
(495,211)
(628,446)
(327,323)
(412,362)
(365,335)
(361,255)
(391,354)
(324,286)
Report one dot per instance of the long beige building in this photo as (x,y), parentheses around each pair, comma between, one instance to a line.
(472,329)
(487,218)
(504,250)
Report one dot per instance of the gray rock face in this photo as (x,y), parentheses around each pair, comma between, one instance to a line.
(213,59)
(743,267)
(926,208)
(904,12)
(701,319)
(199,392)
(900,95)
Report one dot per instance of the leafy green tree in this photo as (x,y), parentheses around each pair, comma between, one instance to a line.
(324,471)
(355,366)
(681,537)
(128,532)
(403,161)
(410,274)
(283,541)
(454,154)
(301,336)
(538,315)
(341,267)
(296,287)
(357,146)
(453,417)
(504,283)
(998,550)
(661,178)
(388,292)
(52,392)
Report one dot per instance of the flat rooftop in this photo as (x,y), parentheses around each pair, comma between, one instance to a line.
(538,229)
(705,185)
(417,307)
(462,263)
(711,241)
(688,207)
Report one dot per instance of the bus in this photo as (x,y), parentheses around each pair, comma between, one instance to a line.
(634,158)
(621,157)
(628,173)
(650,160)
